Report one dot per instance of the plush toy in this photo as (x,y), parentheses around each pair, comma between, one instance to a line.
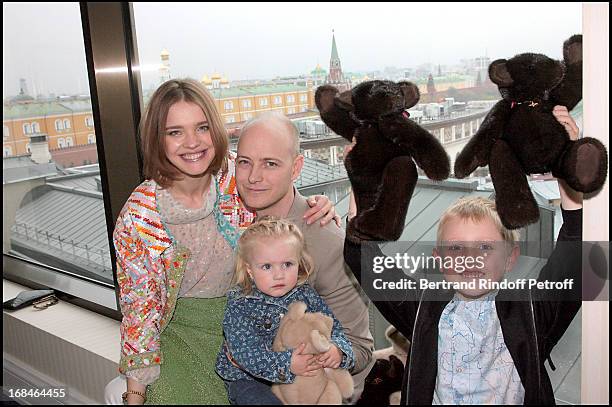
(383,384)
(381,165)
(329,386)
(521,136)
(400,346)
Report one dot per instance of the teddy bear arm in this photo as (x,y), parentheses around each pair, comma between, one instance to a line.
(477,151)
(513,198)
(426,151)
(384,221)
(319,342)
(569,92)
(340,122)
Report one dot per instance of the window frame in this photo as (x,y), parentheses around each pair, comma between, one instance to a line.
(116,98)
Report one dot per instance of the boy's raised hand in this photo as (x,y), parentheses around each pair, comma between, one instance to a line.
(566,120)
(303,365)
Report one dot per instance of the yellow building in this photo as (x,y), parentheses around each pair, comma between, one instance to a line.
(243,103)
(67,123)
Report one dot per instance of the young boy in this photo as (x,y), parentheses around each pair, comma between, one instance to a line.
(476,345)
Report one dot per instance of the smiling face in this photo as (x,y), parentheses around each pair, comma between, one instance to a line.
(273,264)
(462,238)
(188,143)
(266,167)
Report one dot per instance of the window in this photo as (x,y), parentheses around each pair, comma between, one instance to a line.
(228,105)
(5,133)
(303,98)
(230,119)
(278,100)
(263,101)
(246,103)
(290,98)
(291,110)
(91,138)
(246,116)
(57,235)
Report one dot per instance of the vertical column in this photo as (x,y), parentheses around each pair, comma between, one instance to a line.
(453,133)
(595,369)
(471,128)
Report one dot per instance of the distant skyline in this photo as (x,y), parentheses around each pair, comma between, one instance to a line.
(43,42)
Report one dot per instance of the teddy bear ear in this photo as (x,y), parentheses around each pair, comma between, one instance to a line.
(324,98)
(498,72)
(344,101)
(411,93)
(572,49)
(296,310)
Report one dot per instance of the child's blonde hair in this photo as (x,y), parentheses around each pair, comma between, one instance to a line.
(476,209)
(270,227)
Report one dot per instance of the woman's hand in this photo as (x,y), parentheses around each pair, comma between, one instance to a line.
(322,209)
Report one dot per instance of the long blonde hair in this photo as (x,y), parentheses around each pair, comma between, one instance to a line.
(270,227)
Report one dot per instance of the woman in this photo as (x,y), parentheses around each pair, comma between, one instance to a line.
(174,240)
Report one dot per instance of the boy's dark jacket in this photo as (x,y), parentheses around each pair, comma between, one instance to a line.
(417,317)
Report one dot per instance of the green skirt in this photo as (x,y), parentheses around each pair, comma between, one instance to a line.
(190,344)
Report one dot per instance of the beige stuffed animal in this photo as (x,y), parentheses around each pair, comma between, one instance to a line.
(329,386)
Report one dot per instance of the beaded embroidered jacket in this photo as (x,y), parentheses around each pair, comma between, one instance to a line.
(151,265)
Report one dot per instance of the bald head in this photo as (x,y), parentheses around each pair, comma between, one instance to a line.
(277,124)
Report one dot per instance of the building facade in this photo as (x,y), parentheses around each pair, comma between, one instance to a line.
(67,123)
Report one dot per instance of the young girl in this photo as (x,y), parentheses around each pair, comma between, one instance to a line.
(271,271)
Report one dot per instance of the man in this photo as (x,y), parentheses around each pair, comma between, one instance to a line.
(267,164)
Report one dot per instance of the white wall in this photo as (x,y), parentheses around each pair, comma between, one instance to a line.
(595,315)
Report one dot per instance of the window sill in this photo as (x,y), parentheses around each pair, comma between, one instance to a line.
(64,345)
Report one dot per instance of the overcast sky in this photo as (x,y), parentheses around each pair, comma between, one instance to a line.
(43,42)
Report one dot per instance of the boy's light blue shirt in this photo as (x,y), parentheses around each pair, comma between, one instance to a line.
(474,364)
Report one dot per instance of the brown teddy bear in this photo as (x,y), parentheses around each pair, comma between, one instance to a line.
(383,386)
(381,165)
(521,136)
(314,329)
